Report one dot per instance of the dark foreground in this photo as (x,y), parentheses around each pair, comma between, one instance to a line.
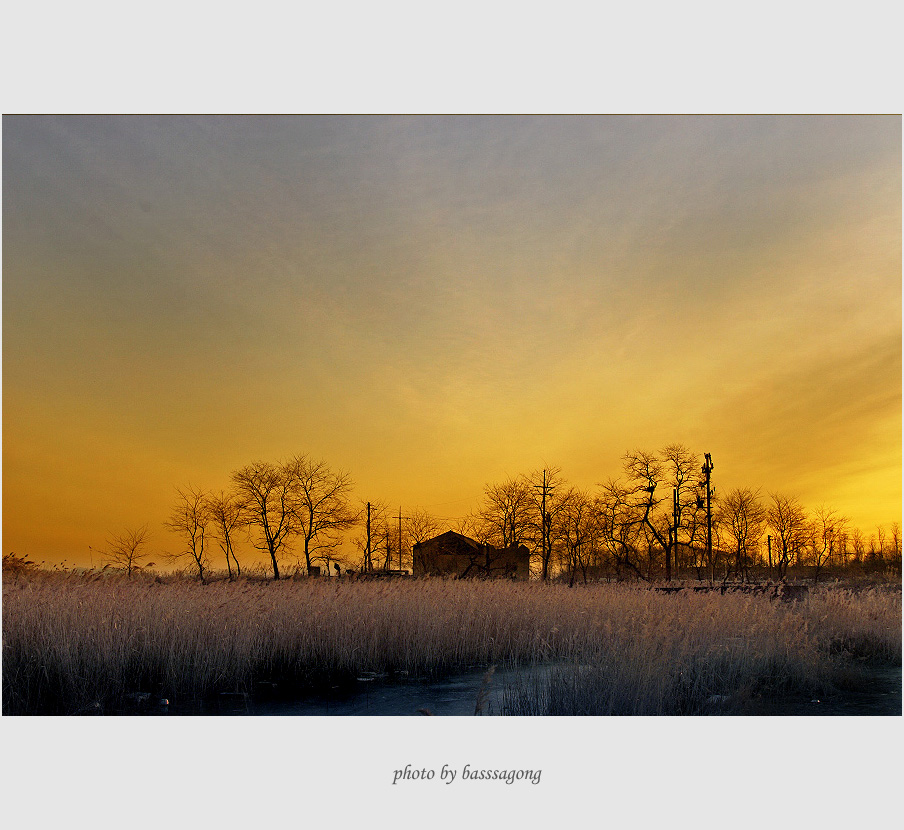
(877,692)
(75,645)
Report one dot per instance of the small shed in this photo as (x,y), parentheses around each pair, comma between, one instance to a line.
(453,554)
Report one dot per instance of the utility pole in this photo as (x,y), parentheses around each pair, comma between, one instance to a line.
(545,527)
(707,472)
(769,548)
(668,555)
(368,564)
(673,538)
(400,539)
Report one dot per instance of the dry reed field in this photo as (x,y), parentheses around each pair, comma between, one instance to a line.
(81,644)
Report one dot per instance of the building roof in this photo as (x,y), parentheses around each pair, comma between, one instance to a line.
(451,534)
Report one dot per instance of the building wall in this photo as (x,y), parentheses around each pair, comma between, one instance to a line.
(452,554)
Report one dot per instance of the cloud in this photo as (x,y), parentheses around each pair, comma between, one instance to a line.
(808,427)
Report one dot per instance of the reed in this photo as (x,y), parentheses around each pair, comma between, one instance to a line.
(74,643)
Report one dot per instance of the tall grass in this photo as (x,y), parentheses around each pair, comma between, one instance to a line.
(76,644)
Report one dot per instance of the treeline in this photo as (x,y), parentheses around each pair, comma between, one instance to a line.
(663,518)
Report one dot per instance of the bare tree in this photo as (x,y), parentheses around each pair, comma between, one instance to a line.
(842,547)
(620,526)
(744,519)
(321,506)
(857,545)
(127,550)
(421,526)
(680,468)
(550,495)
(880,543)
(228,516)
(506,516)
(267,493)
(894,539)
(721,542)
(661,501)
(580,532)
(189,519)
(646,472)
(873,553)
(788,522)
(375,539)
(824,532)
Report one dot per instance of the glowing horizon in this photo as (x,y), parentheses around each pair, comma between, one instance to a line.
(435,304)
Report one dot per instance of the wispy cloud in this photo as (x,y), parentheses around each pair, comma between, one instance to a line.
(433,301)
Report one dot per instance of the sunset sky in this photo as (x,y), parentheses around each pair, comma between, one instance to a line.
(437,303)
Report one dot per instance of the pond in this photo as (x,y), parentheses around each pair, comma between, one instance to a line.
(882,696)
(376,695)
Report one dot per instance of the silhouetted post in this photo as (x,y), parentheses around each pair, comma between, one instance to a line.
(676,512)
(543,523)
(547,529)
(668,555)
(400,539)
(769,549)
(387,561)
(707,471)
(545,526)
(673,538)
(368,564)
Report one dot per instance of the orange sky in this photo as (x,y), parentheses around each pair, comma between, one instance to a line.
(436,303)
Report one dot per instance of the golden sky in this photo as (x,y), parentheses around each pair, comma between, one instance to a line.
(437,303)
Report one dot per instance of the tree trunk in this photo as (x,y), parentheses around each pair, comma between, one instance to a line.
(307,553)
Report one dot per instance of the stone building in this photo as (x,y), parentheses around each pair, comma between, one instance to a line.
(452,554)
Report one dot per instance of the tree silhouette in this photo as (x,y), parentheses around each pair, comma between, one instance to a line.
(786,518)
(127,550)
(824,534)
(189,519)
(320,503)
(267,492)
(620,525)
(672,468)
(743,520)
(228,515)
(506,515)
